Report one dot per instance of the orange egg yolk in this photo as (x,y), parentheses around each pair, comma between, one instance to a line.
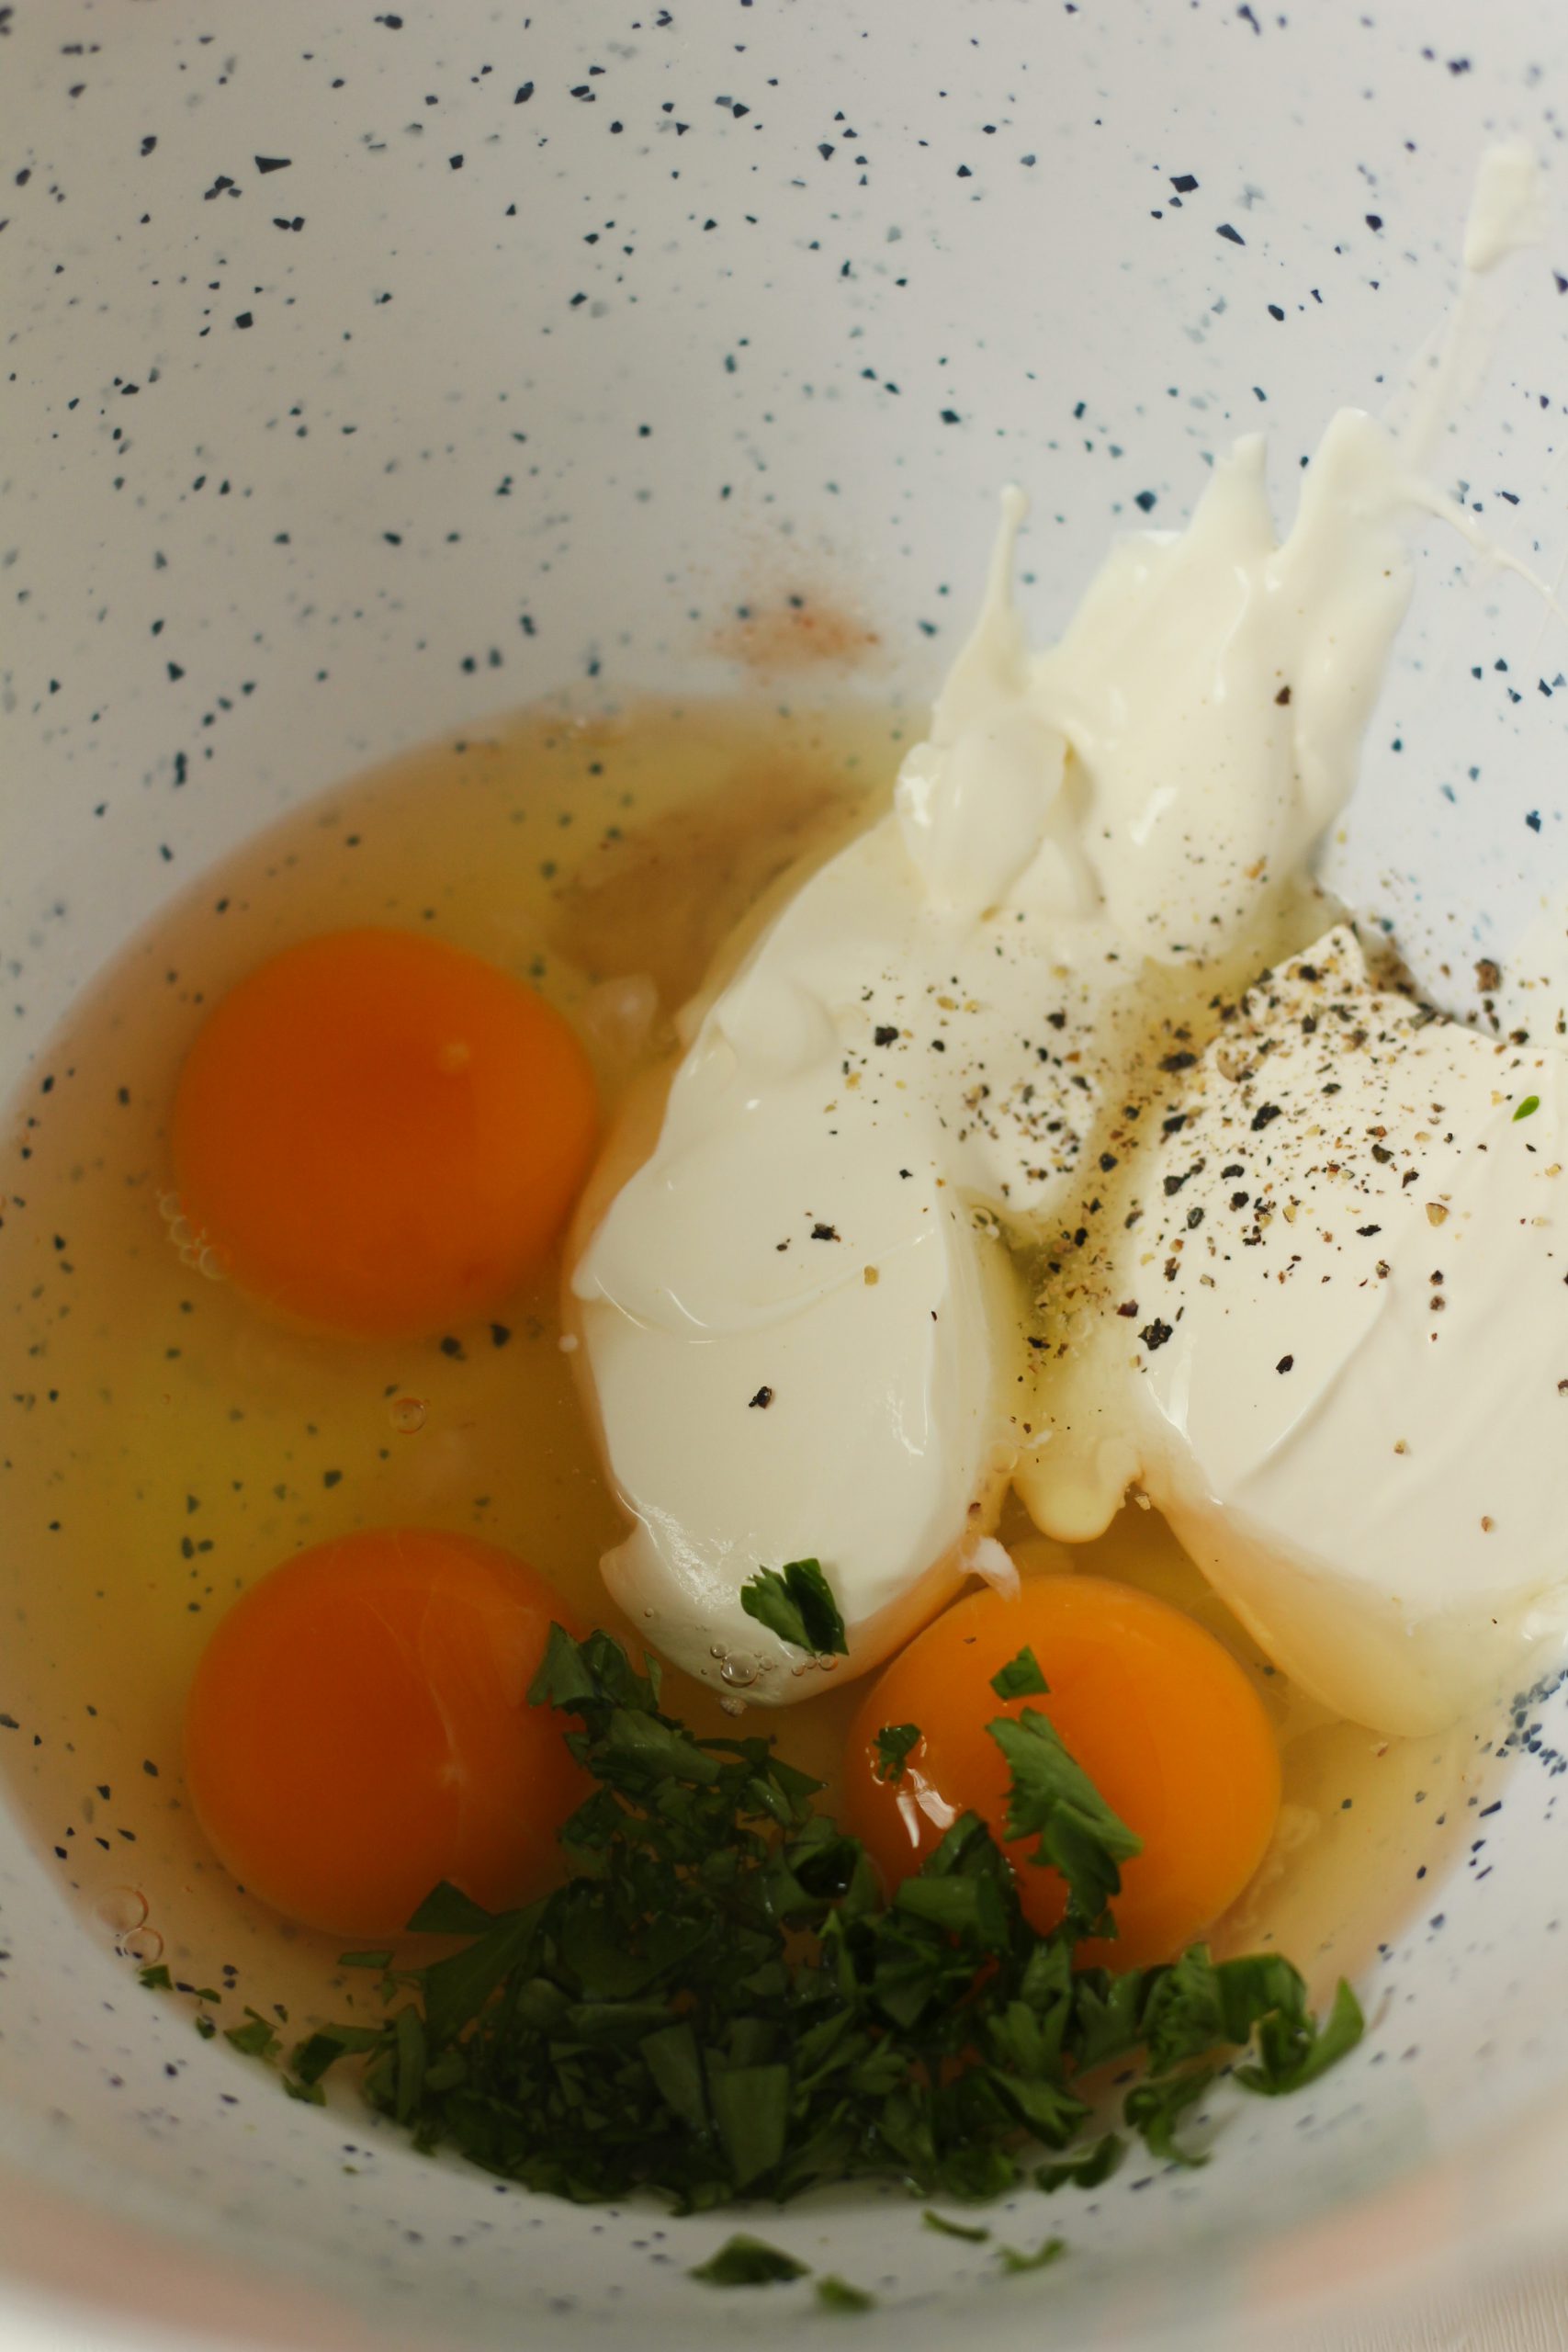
(1153,1709)
(381,1133)
(358,1729)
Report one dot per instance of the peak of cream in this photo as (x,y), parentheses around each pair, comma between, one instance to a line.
(1178,753)
(1508,208)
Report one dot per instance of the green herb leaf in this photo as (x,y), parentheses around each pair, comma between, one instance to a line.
(750,2109)
(313,2057)
(457,1988)
(745,2261)
(1107,2013)
(412,2044)
(958,1905)
(797,1604)
(1154,2109)
(156,1978)
(446,1911)
(674,2062)
(836,2294)
(565,1678)
(652,1748)
(1294,2050)
(1530,1104)
(1085,2171)
(973,2234)
(893,1743)
(206,2028)
(1183,2016)
(1053,1799)
(979,2171)
(1021,1679)
(254,2039)
(1040,2259)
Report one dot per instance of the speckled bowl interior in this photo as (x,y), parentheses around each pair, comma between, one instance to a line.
(405,362)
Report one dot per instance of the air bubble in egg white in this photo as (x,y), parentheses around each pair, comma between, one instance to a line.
(406,1415)
(143,1945)
(619,1014)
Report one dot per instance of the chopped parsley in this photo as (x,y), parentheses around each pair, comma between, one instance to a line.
(1096,2164)
(974,2234)
(1040,2259)
(720,2003)
(1021,1679)
(255,2039)
(797,1604)
(1530,1104)
(743,2261)
(1051,1797)
(893,1745)
(838,2295)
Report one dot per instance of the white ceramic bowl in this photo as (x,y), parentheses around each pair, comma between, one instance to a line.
(604,316)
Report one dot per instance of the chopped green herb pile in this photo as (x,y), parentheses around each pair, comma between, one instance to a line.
(721,2003)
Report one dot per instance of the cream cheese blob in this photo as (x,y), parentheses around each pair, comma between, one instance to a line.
(878,1265)
(1338,1333)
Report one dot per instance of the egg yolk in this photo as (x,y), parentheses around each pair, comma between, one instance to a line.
(381,1133)
(1153,1708)
(358,1729)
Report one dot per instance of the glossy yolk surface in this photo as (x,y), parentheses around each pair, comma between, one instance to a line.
(1153,1709)
(381,1133)
(358,1730)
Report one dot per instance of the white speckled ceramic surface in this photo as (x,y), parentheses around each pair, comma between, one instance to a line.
(368,368)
